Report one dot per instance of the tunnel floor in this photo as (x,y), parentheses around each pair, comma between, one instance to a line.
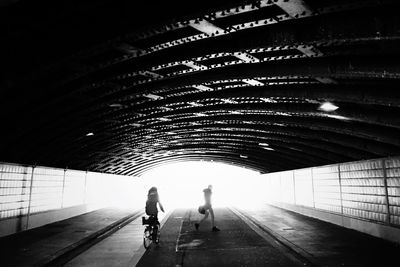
(265,236)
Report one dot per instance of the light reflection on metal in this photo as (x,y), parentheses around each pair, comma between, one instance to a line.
(194,65)
(194,104)
(328,107)
(229,101)
(326,80)
(282,113)
(246,57)
(295,8)
(206,27)
(268,148)
(165,108)
(268,100)
(203,88)
(337,117)
(150,74)
(253,82)
(115,105)
(152,96)
(309,50)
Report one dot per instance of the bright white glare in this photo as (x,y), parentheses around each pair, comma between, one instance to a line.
(263,144)
(181,185)
(327,106)
(268,148)
(89,134)
(337,117)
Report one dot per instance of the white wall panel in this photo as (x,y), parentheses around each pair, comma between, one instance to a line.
(287,187)
(23,192)
(393,189)
(304,187)
(327,188)
(366,190)
(15,182)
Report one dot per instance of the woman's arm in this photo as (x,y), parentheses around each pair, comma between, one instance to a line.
(161,206)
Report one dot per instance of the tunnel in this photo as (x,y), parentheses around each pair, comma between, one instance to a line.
(262,132)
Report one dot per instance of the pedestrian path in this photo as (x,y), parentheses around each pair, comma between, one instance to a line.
(39,246)
(326,243)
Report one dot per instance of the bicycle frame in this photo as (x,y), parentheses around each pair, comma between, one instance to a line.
(151,231)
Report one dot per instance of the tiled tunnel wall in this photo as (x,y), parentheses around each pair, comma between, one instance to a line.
(362,193)
(26,191)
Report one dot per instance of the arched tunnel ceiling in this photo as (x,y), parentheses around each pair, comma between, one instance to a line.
(123,87)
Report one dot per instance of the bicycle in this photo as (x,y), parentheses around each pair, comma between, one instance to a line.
(151,231)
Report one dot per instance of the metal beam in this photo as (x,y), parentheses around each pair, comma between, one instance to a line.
(295,8)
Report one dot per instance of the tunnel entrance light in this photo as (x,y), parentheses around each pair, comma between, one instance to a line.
(186,180)
(328,107)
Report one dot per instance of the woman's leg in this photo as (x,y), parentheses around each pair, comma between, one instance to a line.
(205,217)
(212,216)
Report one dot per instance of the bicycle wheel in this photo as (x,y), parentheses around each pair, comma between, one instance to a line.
(146,238)
(158,236)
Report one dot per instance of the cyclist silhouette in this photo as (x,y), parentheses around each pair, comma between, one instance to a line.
(151,206)
(207,209)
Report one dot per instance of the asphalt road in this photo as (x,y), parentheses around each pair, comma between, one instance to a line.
(235,245)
